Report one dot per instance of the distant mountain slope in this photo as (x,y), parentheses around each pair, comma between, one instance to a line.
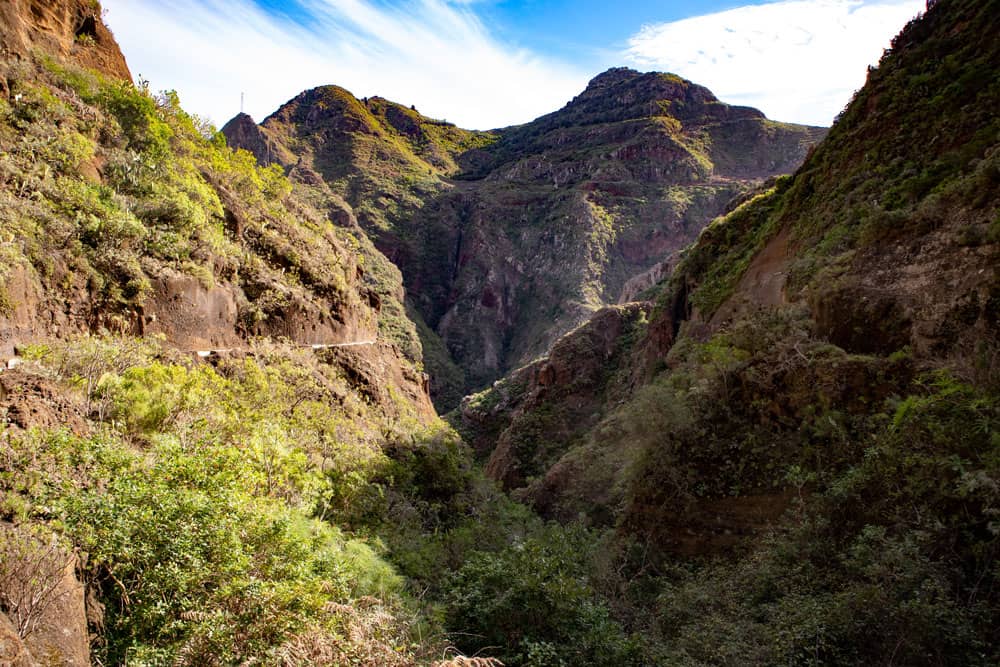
(507,239)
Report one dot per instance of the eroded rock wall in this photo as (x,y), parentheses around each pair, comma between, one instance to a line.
(70,29)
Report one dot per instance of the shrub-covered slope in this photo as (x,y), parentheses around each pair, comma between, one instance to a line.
(215,392)
(507,239)
(804,435)
(211,503)
(123,212)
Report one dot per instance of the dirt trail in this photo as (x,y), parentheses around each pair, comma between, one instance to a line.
(314,346)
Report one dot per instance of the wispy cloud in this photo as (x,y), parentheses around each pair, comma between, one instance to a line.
(796,60)
(431,53)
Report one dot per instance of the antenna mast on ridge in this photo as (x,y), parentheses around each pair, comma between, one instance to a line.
(241,102)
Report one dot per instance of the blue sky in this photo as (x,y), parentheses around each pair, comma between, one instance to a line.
(586,29)
(491,63)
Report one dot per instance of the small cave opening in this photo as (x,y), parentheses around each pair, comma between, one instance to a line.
(680,309)
(87,29)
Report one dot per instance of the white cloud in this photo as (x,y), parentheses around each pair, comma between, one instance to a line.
(431,53)
(796,60)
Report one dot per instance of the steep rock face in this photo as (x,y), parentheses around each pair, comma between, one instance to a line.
(244,133)
(62,637)
(525,425)
(783,334)
(573,205)
(508,239)
(74,31)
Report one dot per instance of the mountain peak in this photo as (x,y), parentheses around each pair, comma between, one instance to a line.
(613,76)
(629,86)
(242,132)
(622,93)
(241,119)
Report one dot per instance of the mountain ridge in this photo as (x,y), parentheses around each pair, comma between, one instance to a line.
(886,279)
(509,238)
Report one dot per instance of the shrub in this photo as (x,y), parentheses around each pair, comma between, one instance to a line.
(533,601)
(194,560)
(32,567)
(7,304)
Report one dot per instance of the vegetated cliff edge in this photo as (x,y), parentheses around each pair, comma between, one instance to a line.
(119,214)
(507,239)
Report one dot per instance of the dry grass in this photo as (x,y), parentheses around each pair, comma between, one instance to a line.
(370,635)
(462,661)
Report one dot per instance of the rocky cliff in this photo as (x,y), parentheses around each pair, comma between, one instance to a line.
(72,31)
(507,239)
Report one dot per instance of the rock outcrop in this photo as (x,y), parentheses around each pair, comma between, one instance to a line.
(72,30)
(31,402)
(13,652)
(243,132)
(39,579)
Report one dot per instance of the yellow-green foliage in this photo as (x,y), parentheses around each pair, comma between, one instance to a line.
(116,184)
(426,142)
(208,498)
(201,565)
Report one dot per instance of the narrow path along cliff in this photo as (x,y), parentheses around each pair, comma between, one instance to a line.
(313,346)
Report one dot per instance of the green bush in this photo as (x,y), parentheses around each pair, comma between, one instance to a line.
(894,561)
(7,304)
(137,114)
(194,557)
(203,499)
(533,605)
